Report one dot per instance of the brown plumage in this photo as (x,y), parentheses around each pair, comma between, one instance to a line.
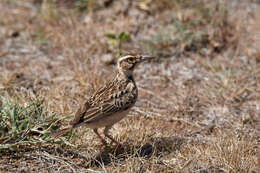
(110,103)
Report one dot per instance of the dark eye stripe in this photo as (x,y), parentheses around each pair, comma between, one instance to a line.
(131,59)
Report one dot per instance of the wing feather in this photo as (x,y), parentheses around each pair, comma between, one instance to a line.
(107,100)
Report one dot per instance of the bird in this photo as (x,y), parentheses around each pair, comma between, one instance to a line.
(110,103)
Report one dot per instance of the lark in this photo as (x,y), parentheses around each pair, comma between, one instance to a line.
(111,103)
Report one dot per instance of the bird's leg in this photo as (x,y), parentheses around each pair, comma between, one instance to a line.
(100,137)
(110,137)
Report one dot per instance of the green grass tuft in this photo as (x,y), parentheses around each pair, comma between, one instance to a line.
(26,125)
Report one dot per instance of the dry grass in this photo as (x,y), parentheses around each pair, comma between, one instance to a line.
(199,102)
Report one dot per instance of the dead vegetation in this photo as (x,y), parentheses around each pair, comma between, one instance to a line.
(199,102)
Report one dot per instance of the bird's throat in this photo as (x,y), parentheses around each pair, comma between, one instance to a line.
(125,74)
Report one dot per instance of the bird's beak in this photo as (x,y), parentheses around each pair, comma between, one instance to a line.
(146,57)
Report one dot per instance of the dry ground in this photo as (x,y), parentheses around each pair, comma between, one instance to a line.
(199,101)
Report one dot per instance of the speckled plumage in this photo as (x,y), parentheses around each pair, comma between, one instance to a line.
(110,103)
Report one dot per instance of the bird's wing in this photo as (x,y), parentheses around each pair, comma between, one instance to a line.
(114,101)
(118,102)
(82,111)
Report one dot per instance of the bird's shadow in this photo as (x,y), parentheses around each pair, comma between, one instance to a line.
(157,146)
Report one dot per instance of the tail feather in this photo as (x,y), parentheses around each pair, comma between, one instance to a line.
(61,132)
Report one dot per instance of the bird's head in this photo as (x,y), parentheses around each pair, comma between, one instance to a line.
(127,64)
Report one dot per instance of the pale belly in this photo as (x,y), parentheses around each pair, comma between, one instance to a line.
(107,120)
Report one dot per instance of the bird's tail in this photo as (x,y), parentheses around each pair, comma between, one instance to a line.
(61,132)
